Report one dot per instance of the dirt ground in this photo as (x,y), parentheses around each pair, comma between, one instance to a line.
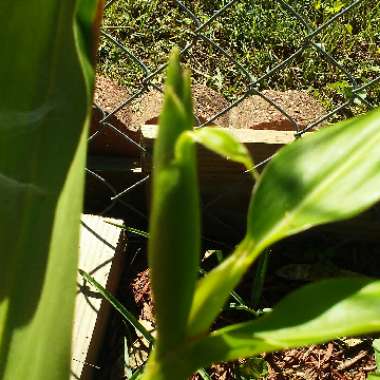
(254,112)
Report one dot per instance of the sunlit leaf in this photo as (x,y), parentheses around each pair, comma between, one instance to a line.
(329,176)
(224,144)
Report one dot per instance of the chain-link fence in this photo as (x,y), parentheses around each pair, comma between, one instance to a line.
(327,50)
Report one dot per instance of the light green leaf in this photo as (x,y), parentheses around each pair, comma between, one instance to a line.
(313,314)
(213,290)
(46,78)
(224,144)
(331,175)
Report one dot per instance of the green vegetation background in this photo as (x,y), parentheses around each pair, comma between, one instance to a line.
(259,35)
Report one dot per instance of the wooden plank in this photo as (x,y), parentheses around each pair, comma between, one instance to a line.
(214,169)
(149,132)
(218,175)
(101,250)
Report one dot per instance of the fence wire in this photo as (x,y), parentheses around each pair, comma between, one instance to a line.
(328,48)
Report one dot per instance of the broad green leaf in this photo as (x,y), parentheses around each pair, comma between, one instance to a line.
(224,144)
(47,79)
(313,314)
(331,175)
(174,243)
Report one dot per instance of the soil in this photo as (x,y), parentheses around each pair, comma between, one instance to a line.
(257,113)
(112,137)
(207,103)
(109,95)
(252,113)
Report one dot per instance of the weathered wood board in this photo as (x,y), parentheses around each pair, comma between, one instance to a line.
(101,251)
(262,144)
(218,175)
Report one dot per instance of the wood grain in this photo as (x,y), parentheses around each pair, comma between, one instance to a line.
(101,250)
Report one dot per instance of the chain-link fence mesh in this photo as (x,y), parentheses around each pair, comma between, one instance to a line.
(236,50)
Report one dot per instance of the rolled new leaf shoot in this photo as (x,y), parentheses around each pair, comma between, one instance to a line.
(174,244)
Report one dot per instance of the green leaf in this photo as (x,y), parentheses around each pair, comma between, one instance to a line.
(259,279)
(313,314)
(125,313)
(254,368)
(331,175)
(132,230)
(47,75)
(376,348)
(348,28)
(213,290)
(224,144)
(203,374)
(174,244)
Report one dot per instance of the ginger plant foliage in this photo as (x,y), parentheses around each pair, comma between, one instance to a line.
(331,175)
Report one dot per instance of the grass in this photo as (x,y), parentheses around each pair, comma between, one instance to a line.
(258,35)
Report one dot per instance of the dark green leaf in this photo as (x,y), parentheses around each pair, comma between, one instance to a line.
(46,84)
